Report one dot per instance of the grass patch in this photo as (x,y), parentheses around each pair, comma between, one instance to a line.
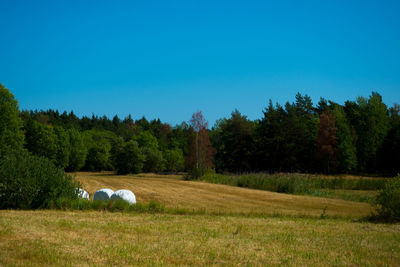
(293,183)
(109,205)
(350,195)
(303,184)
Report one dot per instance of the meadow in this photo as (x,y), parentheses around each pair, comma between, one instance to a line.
(201,224)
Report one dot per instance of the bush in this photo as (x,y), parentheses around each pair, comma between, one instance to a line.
(388,200)
(31,182)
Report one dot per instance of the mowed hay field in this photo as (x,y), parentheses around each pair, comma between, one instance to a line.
(62,238)
(237,227)
(174,192)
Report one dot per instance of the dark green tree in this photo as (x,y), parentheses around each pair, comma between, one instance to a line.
(41,140)
(272,150)
(371,121)
(78,150)
(327,150)
(178,137)
(146,139)
(153,160)
(285,137)
(130,159)
(63,148)
(345,139)
(388,154)
(174,160)
(11,133)
(98,144)
(233,139)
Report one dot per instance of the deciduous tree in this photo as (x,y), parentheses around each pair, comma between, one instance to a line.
(11,134)
(201,153)
(327,151)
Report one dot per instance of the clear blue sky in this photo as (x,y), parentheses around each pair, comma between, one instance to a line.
(168,59)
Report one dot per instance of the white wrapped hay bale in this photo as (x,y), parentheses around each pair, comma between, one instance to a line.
(126,195)
(103,194)
(82,193)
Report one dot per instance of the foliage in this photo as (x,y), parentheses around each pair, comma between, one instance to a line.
(201,153)
(345,139)
(234,140)
(286,137)
(31,182)
(389,200)
(130,159)
(11,134)
(327,150)
(63,148)
(371,121)
(388,154)
(289,138)
(78,150)
(174,160)
(98,144)
(154,161)
(146,139)
(41,140)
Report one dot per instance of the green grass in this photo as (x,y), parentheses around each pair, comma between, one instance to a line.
(350,195)
(352,189)
(105,238)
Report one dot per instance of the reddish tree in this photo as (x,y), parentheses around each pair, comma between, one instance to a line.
(201,153)
(327,150)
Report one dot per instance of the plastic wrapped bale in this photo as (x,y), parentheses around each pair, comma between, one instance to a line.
(126,195)
(103,194)
(82,193)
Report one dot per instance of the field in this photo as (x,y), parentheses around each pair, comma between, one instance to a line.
(227,226)
(173,192)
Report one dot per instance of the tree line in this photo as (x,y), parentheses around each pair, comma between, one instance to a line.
(361,136)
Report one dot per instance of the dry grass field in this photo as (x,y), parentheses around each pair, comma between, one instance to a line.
(238,227)
(172,191)
(60,238)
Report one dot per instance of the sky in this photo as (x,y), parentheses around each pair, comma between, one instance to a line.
(169,59)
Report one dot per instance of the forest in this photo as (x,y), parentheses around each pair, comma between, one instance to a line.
(361,136)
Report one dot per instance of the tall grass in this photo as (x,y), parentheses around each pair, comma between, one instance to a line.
(123,206)
(108,205)
(293,183)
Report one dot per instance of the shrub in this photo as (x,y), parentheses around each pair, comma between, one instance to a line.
(388,200)
(31,182)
